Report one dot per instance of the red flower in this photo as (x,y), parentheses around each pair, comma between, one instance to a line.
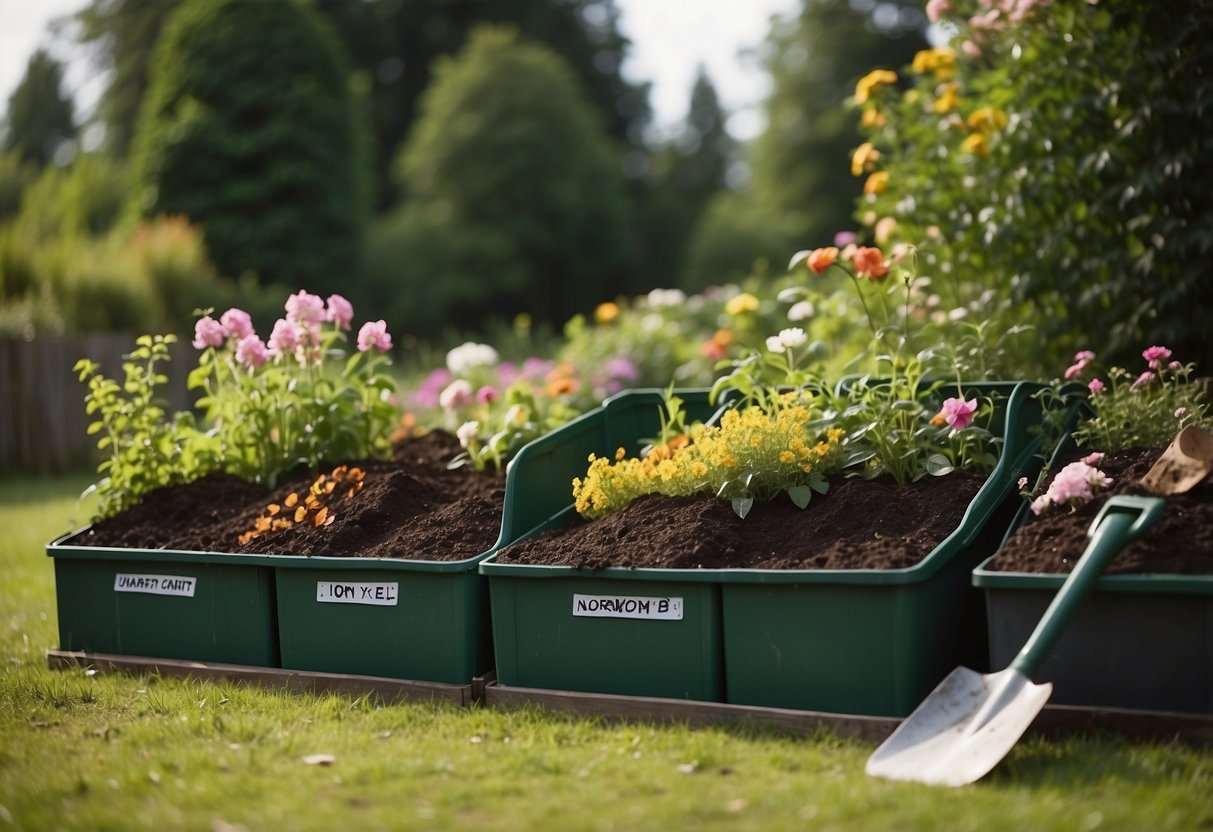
(870,262)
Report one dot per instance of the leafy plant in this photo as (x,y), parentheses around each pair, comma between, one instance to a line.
(296,398)
(147,448)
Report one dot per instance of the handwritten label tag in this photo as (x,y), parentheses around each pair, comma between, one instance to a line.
(358,592)
(627,606)
(155,584)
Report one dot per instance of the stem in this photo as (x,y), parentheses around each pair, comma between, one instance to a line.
(863,300)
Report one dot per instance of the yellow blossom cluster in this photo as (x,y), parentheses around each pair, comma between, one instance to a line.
(750,453)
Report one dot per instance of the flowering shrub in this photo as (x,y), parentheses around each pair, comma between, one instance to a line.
(298,398)
(752,454)
(1145,408)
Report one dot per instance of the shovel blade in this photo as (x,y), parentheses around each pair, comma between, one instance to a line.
(962,729)
(1186,463)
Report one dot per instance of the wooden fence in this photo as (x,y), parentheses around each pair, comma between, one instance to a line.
(42,419)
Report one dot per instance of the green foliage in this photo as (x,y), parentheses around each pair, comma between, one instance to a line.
(735,236)
(146,448)
(799,162)
(82,199)
(16,175)
(1143,409)
(1061,160)
(508,150)
(250,130)
(40,117)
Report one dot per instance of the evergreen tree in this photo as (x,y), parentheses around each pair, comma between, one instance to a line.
(250,129)
(40,118)
(508,153)
(800,163)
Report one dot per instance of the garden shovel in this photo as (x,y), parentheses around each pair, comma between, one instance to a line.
(970,721)
(1185,463)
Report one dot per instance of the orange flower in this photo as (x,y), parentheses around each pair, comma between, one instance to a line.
(864,157)
(872,118)
(562,386)
(606,312)
(723,337)
(976,144)
(822,258)
(876,183)
(871,83)
(870,262)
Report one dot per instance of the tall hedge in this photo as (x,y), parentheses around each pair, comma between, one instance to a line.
(251,130)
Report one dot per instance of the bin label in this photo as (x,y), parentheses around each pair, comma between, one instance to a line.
(376,594)
(627,606)
(156,584)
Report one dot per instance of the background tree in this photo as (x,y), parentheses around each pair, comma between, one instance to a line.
(40,118)
(508,160)
(800,163)
(250,129)
(121,36)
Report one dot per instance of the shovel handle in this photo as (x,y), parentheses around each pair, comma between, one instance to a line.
(1122,519)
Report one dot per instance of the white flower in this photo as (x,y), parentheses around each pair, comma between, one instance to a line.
(801,311)
(659,298)
(793,337)
(467,432)
(774,344)
(469,355)
(456,395)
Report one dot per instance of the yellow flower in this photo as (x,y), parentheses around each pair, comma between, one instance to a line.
(864,157)
(947,100)
(876,183)
(987,120)
(872,117)
(606,312)
(941,61)
(871,83)
(739,305)
(975,143)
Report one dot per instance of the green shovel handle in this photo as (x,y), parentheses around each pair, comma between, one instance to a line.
(1122,519)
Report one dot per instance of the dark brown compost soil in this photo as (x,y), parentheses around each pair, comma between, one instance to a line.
(1180,542)
(412,507)
(856,525)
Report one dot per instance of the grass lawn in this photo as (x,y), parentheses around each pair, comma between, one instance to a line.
(104,751)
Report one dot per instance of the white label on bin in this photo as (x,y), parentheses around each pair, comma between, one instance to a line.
(357,592)
(156,584)
(627,606)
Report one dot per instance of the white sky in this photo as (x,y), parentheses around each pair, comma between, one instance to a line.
(670,38)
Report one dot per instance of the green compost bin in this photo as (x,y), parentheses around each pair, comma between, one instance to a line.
(638,632)
(396,618)
(200,606)
(1142,641)
(875,642)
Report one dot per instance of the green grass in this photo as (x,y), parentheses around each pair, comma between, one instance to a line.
(109,751)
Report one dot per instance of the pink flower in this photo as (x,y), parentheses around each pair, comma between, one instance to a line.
(1143,379)
(971,49)
(1155,356)
(457,395)
(486,394)
(1093,458)
(958,413)
(251,352)
(340,311)
(1095,386)
(305,308)
(374,335)
(1075,370)
(937,9)
(845,238)
(1023,484)
(1180,411)
(236,323)
(208,333)
(1083,356)
(1075,484)
(284,340)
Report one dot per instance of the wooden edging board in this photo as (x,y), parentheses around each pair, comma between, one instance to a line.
(1054,720)
(304,681)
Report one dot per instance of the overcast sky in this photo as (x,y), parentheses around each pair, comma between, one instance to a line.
(670,39)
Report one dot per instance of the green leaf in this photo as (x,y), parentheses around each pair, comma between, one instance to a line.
(742,506)
(800,495)
(938,465)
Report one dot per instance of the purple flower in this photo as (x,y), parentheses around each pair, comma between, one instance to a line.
(621,368)
(374,335)
(305,308)
(284,340)
(251,352)
(958,413)
(1155,356)
(340,311)
(208,333)
(845,238)
(236,323)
